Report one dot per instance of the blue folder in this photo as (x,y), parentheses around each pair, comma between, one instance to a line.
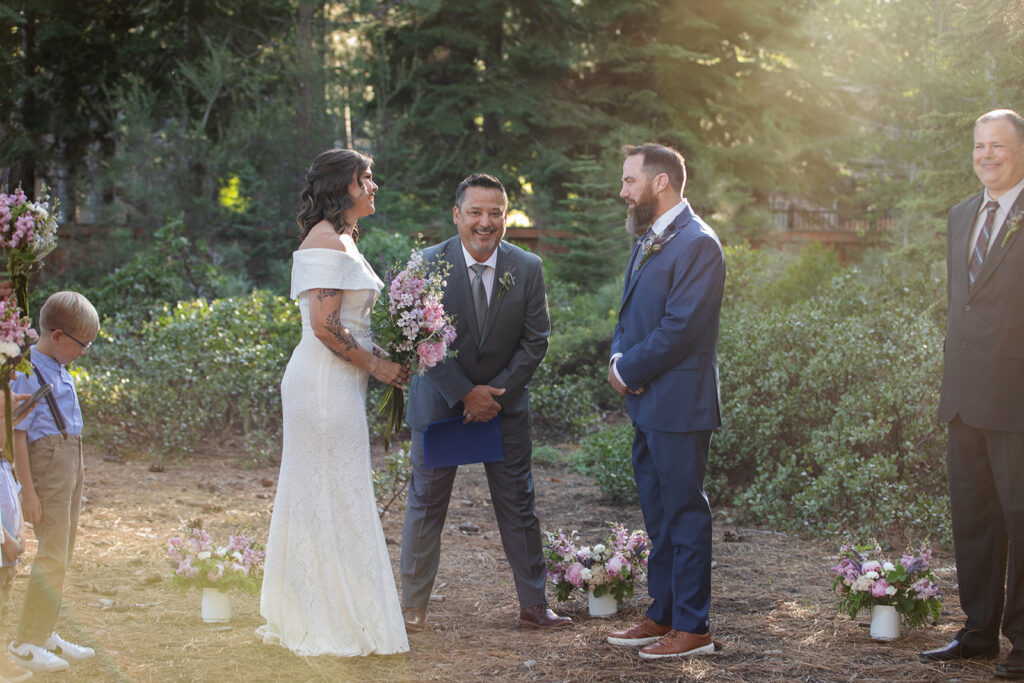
(448,443)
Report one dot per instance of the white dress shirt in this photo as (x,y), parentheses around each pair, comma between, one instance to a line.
(488,274)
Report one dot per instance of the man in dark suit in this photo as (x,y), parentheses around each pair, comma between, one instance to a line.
(496,291)
(664,362)
(982,396)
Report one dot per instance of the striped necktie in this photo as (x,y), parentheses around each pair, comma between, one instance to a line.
(981,246)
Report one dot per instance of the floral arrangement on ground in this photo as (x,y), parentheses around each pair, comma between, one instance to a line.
(200,563)
(907,585)
(610,567)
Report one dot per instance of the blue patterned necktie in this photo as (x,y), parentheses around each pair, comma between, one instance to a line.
(981,246)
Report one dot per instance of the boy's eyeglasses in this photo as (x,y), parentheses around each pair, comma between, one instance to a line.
(85,347)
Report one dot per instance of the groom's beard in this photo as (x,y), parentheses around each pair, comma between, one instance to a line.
(640,216)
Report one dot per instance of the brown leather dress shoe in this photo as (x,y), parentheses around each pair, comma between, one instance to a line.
(679,644)
(541,617)
(415,618)
(643,633)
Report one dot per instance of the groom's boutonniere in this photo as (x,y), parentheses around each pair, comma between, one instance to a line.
(652,246)
(1013,224)
(506,282)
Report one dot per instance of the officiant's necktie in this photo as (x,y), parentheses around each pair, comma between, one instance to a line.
(981,246)
(479,295)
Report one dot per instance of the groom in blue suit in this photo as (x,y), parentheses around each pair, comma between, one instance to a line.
(664,362)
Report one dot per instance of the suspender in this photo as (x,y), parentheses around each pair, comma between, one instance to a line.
(52,403)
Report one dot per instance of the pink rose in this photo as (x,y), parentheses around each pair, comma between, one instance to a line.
(574,574)
(878,589)
(430,353)
(615,565)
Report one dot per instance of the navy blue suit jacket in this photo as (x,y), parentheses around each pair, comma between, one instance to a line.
(667,330)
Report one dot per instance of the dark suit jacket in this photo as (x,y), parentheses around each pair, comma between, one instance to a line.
(514,340)
(667,331)
(983,355)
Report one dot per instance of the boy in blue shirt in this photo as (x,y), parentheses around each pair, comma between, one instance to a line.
(49,463)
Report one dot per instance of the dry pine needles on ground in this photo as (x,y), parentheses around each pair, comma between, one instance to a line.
(773,616)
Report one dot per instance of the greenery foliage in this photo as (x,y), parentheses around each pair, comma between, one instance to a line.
(607,457)
(829,402)
(197,372)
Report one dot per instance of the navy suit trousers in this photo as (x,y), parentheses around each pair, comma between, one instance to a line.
(669,469)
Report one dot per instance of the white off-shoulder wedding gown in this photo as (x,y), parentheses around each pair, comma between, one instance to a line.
(328,587)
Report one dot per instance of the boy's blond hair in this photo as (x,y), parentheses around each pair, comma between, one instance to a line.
(70,312)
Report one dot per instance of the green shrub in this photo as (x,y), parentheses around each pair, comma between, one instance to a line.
(196,372)
(607,457)
(829,403)
(570,388)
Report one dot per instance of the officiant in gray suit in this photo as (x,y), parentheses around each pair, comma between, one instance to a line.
(496,292)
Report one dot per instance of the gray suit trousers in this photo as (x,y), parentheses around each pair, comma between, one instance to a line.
(512,495)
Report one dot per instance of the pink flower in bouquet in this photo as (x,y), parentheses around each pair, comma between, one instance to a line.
(615,565)
(431,353)
(872,566)
(574,574)
(215,573)
(879,588)
(433,314)
(186,571)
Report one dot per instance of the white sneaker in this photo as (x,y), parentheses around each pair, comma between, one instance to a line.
(66,650)
(35,658)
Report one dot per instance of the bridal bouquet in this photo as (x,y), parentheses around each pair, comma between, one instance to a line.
(609,567)
(907,585)
(203,564)
(412,326)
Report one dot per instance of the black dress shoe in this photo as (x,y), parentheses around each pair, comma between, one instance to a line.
(1012,666)
(957,650)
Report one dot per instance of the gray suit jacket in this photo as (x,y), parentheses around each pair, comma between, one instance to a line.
(983,370)
(513,343)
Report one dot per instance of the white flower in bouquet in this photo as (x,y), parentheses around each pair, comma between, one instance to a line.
(9,351)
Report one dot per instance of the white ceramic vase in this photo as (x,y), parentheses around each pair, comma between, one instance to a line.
(885,623)
(216,606)
(604,606)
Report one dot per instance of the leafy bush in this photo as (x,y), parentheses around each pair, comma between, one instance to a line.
(570,388)
(607,457)
(829,402)
(197,371)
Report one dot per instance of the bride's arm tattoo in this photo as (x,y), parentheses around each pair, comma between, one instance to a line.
(324,294)
(333,325)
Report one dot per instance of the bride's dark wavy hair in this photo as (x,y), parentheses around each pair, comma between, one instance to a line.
(325,196)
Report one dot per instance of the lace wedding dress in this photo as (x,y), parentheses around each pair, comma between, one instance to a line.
(328,587)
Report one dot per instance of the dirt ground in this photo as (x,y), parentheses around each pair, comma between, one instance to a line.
(773,616)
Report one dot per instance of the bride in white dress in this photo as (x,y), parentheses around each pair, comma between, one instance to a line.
(328,587)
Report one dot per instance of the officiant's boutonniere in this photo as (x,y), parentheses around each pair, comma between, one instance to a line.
(506,282)
(652,247)
(1013,224)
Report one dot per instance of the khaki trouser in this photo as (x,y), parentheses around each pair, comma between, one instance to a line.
(58,471)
